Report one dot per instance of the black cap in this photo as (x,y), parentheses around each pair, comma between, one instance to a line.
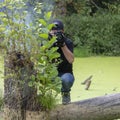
(58,25)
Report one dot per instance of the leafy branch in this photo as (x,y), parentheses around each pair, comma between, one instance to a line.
(28,45)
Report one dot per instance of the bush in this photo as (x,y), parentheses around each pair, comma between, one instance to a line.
(98,34)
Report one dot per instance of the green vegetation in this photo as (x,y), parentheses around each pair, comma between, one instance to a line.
(98,35)
(93,25)
(28,50)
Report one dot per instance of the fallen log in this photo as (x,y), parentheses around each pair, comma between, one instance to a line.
(100,108)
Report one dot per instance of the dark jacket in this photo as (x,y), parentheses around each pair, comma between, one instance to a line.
(65,66)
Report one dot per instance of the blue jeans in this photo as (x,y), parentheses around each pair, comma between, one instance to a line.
(67,81)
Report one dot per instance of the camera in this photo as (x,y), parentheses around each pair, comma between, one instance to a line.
(60,39)
(59,36)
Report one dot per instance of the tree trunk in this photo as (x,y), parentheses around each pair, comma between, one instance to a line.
(18,96)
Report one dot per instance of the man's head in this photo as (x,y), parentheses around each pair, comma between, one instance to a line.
(58,27)
(57,31)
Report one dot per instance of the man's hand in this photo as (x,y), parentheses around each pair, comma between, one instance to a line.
(60,39)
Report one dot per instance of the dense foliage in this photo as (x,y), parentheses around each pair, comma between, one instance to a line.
(94,27)
(98,35)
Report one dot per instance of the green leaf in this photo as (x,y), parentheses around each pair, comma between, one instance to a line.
(5,20)
(50,26)
(43,35)
(42,21)
(10,7)
(53,56)
(2,14)
(48,15)
(33,77)
(2,28)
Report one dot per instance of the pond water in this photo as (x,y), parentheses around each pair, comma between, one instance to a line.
(105,80)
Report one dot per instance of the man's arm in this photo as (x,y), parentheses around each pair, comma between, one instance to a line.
(68,54)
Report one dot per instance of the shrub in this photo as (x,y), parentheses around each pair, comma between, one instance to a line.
(98,34)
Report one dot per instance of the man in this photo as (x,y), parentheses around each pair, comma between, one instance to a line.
(65,48)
